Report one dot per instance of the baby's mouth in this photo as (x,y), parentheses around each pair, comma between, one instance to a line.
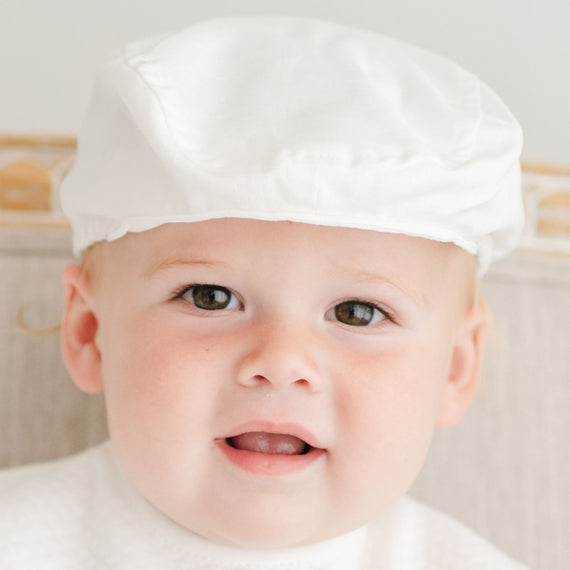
(269,443)
(275,450)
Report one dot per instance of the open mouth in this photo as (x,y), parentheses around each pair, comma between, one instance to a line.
(269,443)
(270,453)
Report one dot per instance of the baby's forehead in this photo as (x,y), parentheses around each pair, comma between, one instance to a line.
(252,246)
(250,233)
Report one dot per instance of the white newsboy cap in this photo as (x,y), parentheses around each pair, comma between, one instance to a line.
(277,118)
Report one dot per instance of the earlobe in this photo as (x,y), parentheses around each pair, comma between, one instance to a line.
(465,366)
(79,332)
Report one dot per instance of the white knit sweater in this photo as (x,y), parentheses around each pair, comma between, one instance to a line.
(81,513)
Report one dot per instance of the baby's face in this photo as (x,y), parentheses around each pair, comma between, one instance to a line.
(273,383)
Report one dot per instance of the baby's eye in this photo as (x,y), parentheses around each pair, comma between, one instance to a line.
(358,313)
(211,297)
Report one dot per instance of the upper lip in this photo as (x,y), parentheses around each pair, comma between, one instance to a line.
(287,428)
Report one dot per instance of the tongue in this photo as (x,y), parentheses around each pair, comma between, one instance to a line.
(270,443)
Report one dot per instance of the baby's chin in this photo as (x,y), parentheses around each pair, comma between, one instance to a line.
(262,535)
(267,538)
(279,531)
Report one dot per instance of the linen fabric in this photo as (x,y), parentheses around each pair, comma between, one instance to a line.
(81,512)
(278,118)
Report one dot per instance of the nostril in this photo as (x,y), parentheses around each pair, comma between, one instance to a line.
(259,379)
(260,369)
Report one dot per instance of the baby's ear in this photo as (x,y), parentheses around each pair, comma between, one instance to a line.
(465,366)
(79,332)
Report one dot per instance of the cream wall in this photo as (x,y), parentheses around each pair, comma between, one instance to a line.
(49,50)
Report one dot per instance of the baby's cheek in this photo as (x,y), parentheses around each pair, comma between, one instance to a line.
(134,384)
(388,412)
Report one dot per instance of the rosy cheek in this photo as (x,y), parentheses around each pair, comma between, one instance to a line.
(391,392)
(167,364)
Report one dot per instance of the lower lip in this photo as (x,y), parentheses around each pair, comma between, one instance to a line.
(268,464)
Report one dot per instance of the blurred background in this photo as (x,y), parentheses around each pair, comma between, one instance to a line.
(49,50)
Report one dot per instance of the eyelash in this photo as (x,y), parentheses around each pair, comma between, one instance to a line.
(385,313)
(179,294)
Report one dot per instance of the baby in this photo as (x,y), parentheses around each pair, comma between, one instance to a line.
(282,223)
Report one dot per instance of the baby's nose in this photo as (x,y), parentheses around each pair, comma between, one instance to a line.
(281,356)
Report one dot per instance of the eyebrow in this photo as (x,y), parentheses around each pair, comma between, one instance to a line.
(359,274)
(365,275)
(166,264)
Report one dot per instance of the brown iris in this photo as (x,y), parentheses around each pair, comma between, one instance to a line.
(210,297)
(354,313)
